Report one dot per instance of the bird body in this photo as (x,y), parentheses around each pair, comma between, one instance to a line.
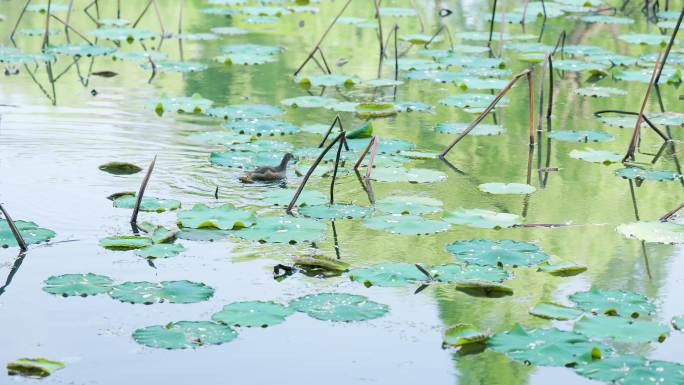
(268,173)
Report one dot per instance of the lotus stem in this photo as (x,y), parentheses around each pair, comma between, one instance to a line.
(646,119)
(14,229)
(337,163)
(671,213)
(376,3)
(46,36)
(530,87)
(491,25)
(337,121)
(144,11)
(371,161)
(69,27)
(15,267)
(141,192)
(363,153)
(669,44)
(21,16)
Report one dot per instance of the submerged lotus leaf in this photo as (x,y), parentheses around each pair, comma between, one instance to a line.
(259,127)
(472,102)
(605,19)
(481,218)
(282,197)
(148,293)
(562,269)
(223,217)
(125,242)
(79,50)
(23,58)
(580,136)
(409,204)
(68,285)
(548,310)
(546,347)
(479,130)
(309,102)
(397,12)
(621,329)
(335,211)
(160,251)
(184,335)
(596,156)
(29,231)
(633,370)
(613,302)
(176,66)
(412,175)
(33,367)
(463,334)
(246,111)
(284,230)
(328,80)
(497,253)
(452,272)
(644,39)
(406,224)
(182,104)
(653,232)
(646,174)
(339,307)
(124,34)
(387,274)
(150,204)
(244,159)
(252,314)
(600,92)
(507,188)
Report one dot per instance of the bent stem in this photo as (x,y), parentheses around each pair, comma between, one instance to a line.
(337,163)
(14,229)
(141,192)
(669,44)
(637,128)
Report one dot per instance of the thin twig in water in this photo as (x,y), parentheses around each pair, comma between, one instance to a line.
(14,229)
(637,128)
(337,121)
(141,192)
(671,213)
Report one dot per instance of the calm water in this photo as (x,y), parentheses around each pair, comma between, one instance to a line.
(48,174)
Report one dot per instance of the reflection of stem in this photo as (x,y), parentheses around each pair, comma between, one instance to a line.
(367,187)
(491,25)
(382,47)
(69,27)
(637,127)
(15,267)
(645,119)
(336,244)
(634,201)
(46,36)
(648,267)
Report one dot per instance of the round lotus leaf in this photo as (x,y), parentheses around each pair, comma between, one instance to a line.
(203,235)
(29,231)
(479,130)
(507,188)
(497,253)
(472,102)
(120,168)
(470,61)
(139,56)
(419,155)
(259,127)
(33,367)
(284,230)
(412,175)
(227,12)
(160,251)
(113,22)
(246,111)
(309,102)
(339,307)
(621,329)
(328,80)
(79,50)
(385,146)
(125,242)
(282,197)
(83,285)
(24,58)
(669,74)
(678,322)
(149,204)
(245,58)
(644,39)
(484,219)
(596,156)
(148,293)
(409,204)
(387,274)
(264,11)
(243,159)
(579,66)
(224,217)
(463,334)
(123,34)
(633,370)
(613,302)
(382,83)
(316,128)
(176,66)
(335,211)
(406,224)
(482,84)
(437,76)
(397,12)
(420,38)
(452,272)
(375,110)
(620,121)
(196,36)
(580,136)
(484,36)
(414,64)
(604,19)
(409,106)
(183,104)
(262,145)
(600,92)
(311,153)
(646,174)
(184,335)
(554,311)
(667,118)
(229,31)
(261,19)
(562,269)
(253,314)
(546,347)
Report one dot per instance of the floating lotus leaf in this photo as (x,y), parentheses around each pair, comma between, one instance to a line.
(120,168)
(472,62)
(321,262)
(176,66)
(452,272)
(419,155)
(224,217)
(113,22)
(621,121)
(159,234)
(203,235)
(196,36)
(480,288)
(472,102)
(252,314)
(259,127)
(328,80)
(316,128)
(124,34)
(600,92)
(245,58)
(667,118)
(463,334)
(309,102)
(409,204)
(382,83)
(160,251)
(184,335)
(548,310)
(546,347)
(409,106)
(139,56)
(406,224)
(436,53)
(387,274)
(246,160)
(646,174)
(303,8)
(479,130)
(653,232)
(525,47)
(507,188)
(284,230)
(397,12)
(220,11)
(83,285)
(633,370)
(351,20)
(621,329)
(148,293)
(386,146)
(29,231)
(437,76)
(282,197)
(24,58)
(79,50)
(484,36)
(497,253)
(33,367)
(669,75)
(339,307)
(229,31)
(262,145)
(412,175)
(220,137)
(335,211)
(342,106)
(644,39)
(420,38)
(581,136)
(182,104)
(612,59)
(596,156)
(678,322)
(252,48)
(246,111)
(150,204)
(375,110)
(613,302)
(481,218)
(413,64)
(562,269)
(579,66)
(264,11)
(125,242)
(261,19)
(482,84)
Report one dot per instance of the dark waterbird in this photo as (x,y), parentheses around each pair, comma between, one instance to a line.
(268,173)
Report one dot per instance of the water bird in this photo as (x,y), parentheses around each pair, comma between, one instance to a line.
(268,173)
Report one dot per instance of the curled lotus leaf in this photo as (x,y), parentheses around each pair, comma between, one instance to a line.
(149,204)
(548,310)
(621,329)
(613,302)
(678,323)
(148,293)
(580,136)
(464,334)
(315,261)
(83,285)
(184,335)
(647,174)
(566,269)
(507,188)
(158,234)
(406,224)
(253,314)
(339,307)
(480,288)
(497,253)
(223,217)
(409,204)
(125,242)
(481,218)
(387,274)
(631,370)
(420,38)
(245,111)
(284,230)
(335,211)
(33,367)
(29,231)
(375,110)
(282,197)
(596,156)
(120,168)
(160,251)
(412,175)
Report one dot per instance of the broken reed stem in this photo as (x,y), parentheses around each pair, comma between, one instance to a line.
(637,128)
(320,41)
(671,213)
(337,120)
(371,162)
(141,192)
(311,170)
(364,153)
(669,44)
(484,113)
(337,163)
(13,228)
(530,86)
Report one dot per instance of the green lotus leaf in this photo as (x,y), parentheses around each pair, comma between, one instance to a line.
(613,302)
(382,83)
(387,274)
(546,347)
(316,128)
(264,11)
(452,272)
(139,56)
(482,84)
(246,160)
(158,234)
(335,211)
(228,2)
(484,36)
(621,329)
(339,307)
(612,59)
(548,310)
(125,242)
(581,136)
(409,204)
(480,288)
(124,34)
(160,251)
(229,31)
(149,204)
(148,293)
(176,66)
(406,224)
(351,20)
(414,64)
(646,174)
(397,12)
(83,285)
(259,127)
(252,48)
(113,22)
(678,322)
(409,106)
(420,38)
(579,66)
(365,131)
(653,232)
(497,253)
(223,217)
(644,39)
(182,104)
(120,168)
(667,118)
(328,80)
(303,8)
(437,76)
(583,50)
(245,58)
(463,334)
(562,269)
(596,156)
(24,58)
(79,50)
(526,47)
(261,145)
(282,197)
(203,235)
(284,230)
(246,111)
(184,335)
(411,175)
(600,92)
(309,102)
(479,130)
(481,218)
(220,11)
(252,314)
(633,370)
(321,262)
(470,61)
(507,188)
(202,36)
(385,146)
(422,155)
(261,19)
(475,103)
(29,231)
(375,110)
(470,49)
(311,153)
(33,367)
(669,74)
(626,121)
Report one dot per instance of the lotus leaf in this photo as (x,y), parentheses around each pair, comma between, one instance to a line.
(479,130)
(452,272)
(412,175)
(79,50)
(246,160)
(596,156)
(463,334)
(33,367)
(481,218)
(125,242)
(497,253)
(124,34)
(339,307)
(150,204)
(548,310)
(224,217)
(409,204)
(633,370)
(259,127)
(387,274)
(309,102)
(83,285)
(613,302)
(644,39)
(246,111)
(600,92)
(562,269)
(406,224)
(29,231)
(507,188)
(284,230)
(176,66)
(580,136)
(160,251)
(148,293)
(472,102)
(252,314)
(184,335)
(335,211)
(621,329)
(646,174)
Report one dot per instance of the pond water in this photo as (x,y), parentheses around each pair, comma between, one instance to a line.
(54,136)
